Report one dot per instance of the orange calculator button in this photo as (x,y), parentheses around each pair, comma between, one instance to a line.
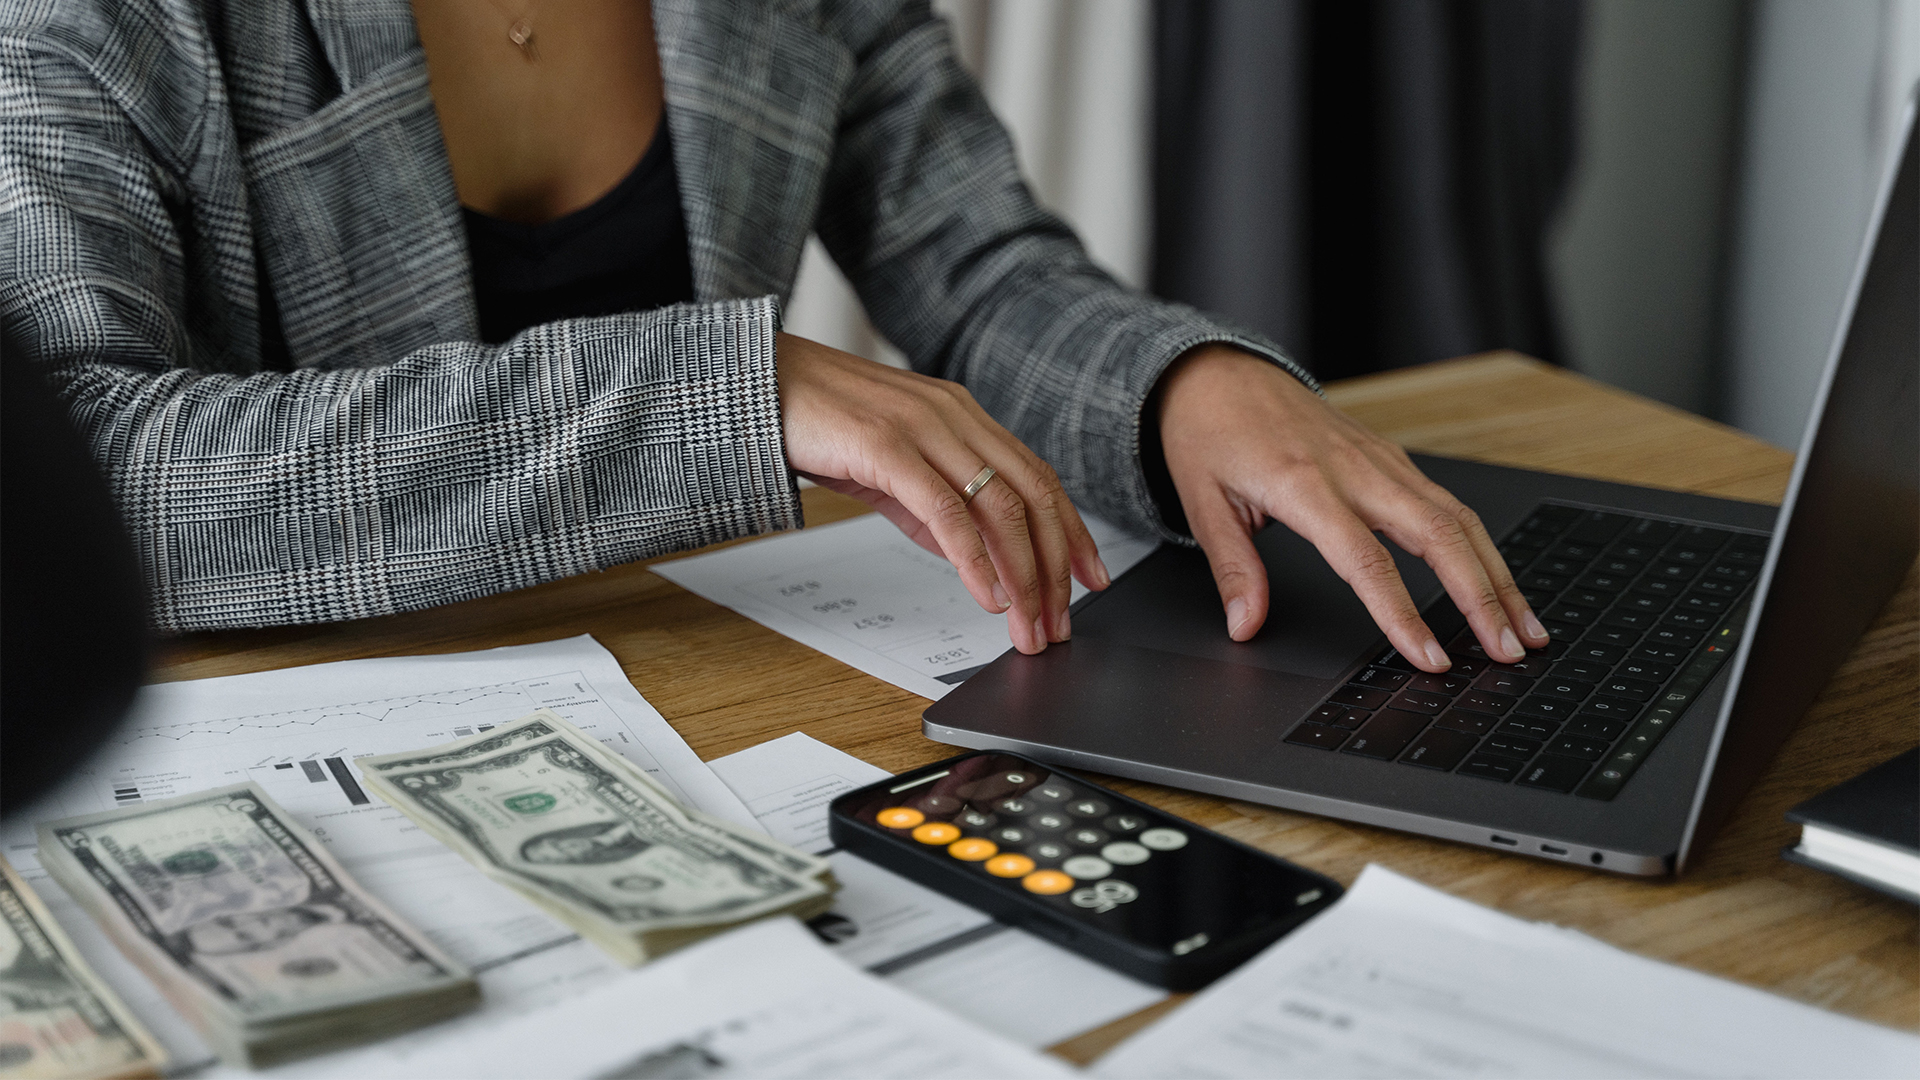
(899,817)
(973,849)
(937,832)
(1047,882)
(1009,866)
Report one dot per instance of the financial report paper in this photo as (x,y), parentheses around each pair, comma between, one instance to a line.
(1006,980)
(1398,979)
(296,733)
(864,594)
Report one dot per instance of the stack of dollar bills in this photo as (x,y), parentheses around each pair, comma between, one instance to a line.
(544,808)
(60,1020)
(249,926)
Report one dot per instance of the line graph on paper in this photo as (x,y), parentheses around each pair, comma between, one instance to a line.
(464,703)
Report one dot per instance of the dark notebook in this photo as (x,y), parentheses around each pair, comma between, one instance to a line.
(1868,829)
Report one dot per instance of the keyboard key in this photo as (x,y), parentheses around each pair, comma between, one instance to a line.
(1448,684)
(1387,734)
(1530,666)
(1503,682)
(1660,587)
(1557,567)
(1517,560)
(1673,571)
(1606,583)
(1551,708)
(1489,767)
(1335,715)
(1631,689)
(1529,727)
(1380,678)
(1596,727)
(1660,652)
(1359,697)
(1648,531)
(1554,773)
(1636,550)
(1538,599)
(1677,636)
(1570,689)
(1646,669)
(1579,746)
(1583,670)
(1470,722)
(1561,632)
(1529,541)
(1485,702)
(1552,517)
(1571,614)
(1393,659)
(1546,582)
(1699,538)
(1421,702)
(1750,559)
(1690,556)
(1726,571)
(1613,564)
(1597,652)
(1713,586)
(1589,598)
(1580,552)
(1652,603)
(1693,620)
(1603,705)
(1597,527)
(1623,636)
(1513,746)
(1468,666)
(1626,618)
(1439,749)
(1750,543)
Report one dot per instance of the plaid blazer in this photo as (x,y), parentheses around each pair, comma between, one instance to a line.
(229,235)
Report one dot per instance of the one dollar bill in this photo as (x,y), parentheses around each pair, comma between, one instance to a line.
(57,1019)
(250,927)
(544,808)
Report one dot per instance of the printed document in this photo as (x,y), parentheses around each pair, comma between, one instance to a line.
(1006,980)
(1398,979)
(296,733)
(766,1000)
(864,594)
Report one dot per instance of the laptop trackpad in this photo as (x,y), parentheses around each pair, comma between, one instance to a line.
(1315,627)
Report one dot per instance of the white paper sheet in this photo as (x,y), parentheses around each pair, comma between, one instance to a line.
(1398,979)
(1007,980)
(864,594)
(763,1001)
(296,732)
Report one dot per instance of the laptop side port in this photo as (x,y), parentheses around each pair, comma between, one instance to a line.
(1552,850)
(1498,839)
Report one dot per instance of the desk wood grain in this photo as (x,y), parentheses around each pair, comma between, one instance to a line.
(1743,913)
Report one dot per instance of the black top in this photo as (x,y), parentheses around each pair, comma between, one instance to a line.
(625,252)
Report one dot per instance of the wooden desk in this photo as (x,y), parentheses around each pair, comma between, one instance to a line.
(1743,913)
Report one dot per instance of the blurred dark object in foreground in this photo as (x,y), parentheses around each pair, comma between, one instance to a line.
(72,611)
(1369,182)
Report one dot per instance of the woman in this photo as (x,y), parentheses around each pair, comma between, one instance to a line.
(290,266)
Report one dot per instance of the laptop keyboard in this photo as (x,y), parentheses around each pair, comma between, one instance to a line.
(1642,613)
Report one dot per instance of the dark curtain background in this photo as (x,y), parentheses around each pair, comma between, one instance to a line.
(1369,182)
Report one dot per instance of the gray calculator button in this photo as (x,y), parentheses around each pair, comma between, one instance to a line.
(1088,807)
(974,819)
(1009,835)
(1013,806)
(1049,850)
(1086,867)
(1125,823)
(1087,837)
(1125,854)
(1105,896)
(1051,793)
(1164,839)
(938,805)
(1049,822)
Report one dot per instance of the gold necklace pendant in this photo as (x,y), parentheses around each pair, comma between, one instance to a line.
(521,34)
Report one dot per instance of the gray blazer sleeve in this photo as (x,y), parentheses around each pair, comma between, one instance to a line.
(926,213)
(261,498)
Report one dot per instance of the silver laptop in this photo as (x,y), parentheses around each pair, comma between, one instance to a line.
(1690,635)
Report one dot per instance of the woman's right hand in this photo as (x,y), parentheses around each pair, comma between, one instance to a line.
(908,445)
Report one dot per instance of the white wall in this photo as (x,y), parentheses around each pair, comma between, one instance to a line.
(1827,86)
(1072,80)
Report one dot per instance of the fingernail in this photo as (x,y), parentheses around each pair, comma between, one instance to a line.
(1063,626)
(1236,616)
(1000,596)
(1039,634)
(1510,643)
(1100,572)
(1531,624)
(1436,655)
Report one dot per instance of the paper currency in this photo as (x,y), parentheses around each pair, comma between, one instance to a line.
(542,807)
(57,1019)
(250,927)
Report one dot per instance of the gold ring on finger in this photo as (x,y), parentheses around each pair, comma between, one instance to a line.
(979,481)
